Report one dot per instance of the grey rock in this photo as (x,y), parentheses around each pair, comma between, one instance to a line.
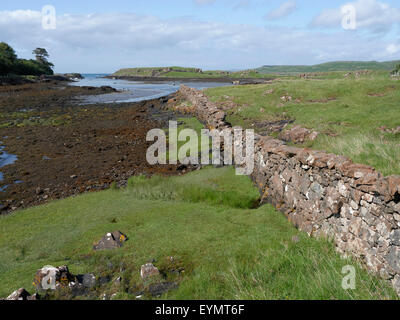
(88,280)
(395,237)
(393,259)
(111,241)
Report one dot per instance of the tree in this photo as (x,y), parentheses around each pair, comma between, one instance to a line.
(7,53)
(396,70)
(8,58)
(41,55)
(41,58)
(10,64)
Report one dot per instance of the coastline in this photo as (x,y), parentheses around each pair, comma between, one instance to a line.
(240,81)
(64,148)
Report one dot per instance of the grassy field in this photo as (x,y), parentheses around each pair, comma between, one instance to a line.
(206,220)
(348,112)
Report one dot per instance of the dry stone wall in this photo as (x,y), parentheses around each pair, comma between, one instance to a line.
(325,195)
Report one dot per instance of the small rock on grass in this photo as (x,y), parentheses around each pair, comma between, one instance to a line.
(22,294)
(111,241)
(148,270)
(295,239)
(158,289)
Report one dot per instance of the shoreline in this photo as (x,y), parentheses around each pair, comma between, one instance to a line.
(240,81)
(64,148)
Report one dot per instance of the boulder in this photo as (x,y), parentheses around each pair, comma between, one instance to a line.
(20,294)
(297,135)
(111,241)
(87,280)
(148,270)
(50,277)
(73,76)
(395,237)
(158,289)
(394,185)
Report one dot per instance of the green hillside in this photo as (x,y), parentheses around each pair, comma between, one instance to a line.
(331,66)
(182,72)
(262,72)
(170,72)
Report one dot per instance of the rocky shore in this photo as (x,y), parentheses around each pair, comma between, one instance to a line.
(19,80)
(64,148)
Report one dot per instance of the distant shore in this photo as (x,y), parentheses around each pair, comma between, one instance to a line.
(199,79)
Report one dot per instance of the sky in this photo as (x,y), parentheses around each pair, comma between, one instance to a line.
(98,36)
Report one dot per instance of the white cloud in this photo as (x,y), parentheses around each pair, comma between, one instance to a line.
(284,10)
(106,42)
(371,15)
(393,49)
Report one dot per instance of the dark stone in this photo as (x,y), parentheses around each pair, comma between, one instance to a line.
(395,237)
(88,280)
(159,289)
(104,280)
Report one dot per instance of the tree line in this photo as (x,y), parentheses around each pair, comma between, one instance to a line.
(11,65)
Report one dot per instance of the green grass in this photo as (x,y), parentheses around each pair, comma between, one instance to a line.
(187,123)
(348,113)
(205,220)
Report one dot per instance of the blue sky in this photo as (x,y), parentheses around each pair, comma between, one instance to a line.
(102,36)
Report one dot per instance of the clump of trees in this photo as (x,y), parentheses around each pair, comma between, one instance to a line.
(396,71)
(11,65)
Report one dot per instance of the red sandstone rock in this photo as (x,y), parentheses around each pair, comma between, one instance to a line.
(393,185)
(296,135)
(358,171)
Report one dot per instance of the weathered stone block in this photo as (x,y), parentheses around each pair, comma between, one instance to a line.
(395,237)
(148,270)
(393,258)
